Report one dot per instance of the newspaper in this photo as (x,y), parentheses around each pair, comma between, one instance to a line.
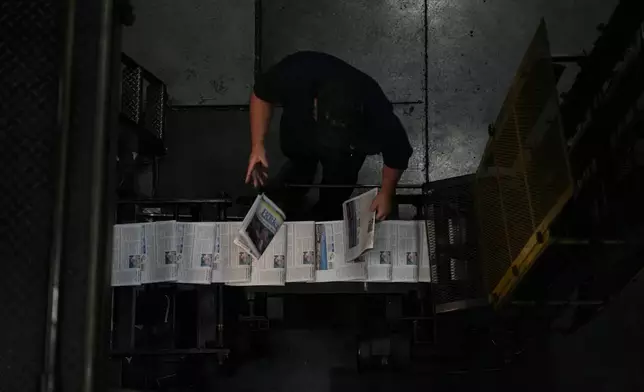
(260,225)
(223,250)
(405,262)
(270,269)
(427,253)
(331,264)
(359,223)
(300,253)
(128,254)
(195,248)
(236,261)
(160,242)
(394,257)
(379,259)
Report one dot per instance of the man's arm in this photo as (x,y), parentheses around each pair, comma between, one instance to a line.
(396,152)
(271,87)
(382,204)
(390,179)
(260,117)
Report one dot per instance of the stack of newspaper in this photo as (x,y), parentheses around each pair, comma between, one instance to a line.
(265,250)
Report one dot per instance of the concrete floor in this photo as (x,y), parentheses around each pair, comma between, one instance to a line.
(203,50)
(206,52)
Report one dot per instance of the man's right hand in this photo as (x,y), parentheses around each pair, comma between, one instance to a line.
(257,157)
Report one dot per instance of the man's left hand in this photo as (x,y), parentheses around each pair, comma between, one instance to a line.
(381,205)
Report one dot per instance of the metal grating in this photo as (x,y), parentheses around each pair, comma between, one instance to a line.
(452,236)
(155,108)
(495,252)
(143,97)
(131,91)
(524,178)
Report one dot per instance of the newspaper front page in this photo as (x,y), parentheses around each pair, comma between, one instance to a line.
(129,253)
(270,269)
(300,253)
(236,261)
(196,245)
(160,241)
(359,223)
(331,264)
(427,252)
(260,225)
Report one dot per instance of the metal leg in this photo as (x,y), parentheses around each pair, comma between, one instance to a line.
(220,315)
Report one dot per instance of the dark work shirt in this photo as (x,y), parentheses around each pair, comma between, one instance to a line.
(295,81)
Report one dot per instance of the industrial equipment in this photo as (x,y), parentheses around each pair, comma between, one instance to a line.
(550,224)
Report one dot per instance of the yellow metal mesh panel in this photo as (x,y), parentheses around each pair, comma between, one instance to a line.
(523,179)
(494,245)
(548,174)
(517,211)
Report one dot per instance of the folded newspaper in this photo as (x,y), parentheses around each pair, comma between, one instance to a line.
(260,226)
(144,253)
(359,223)
(395,255)
(129,253)
(300,253)
(199,249)
(332,263)
(270,269)
(162,265)
(238,263)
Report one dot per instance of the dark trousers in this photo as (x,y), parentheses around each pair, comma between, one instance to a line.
(338,168)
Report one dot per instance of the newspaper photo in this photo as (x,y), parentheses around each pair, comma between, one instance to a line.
(195,248)
(160,241)
(300,253)
(359,223)
(129,253)
(330,262)
(260,225)
(236,261)
(427,252)
(270,269)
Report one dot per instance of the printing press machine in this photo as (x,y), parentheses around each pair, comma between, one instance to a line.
(540,239)
(505,248)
